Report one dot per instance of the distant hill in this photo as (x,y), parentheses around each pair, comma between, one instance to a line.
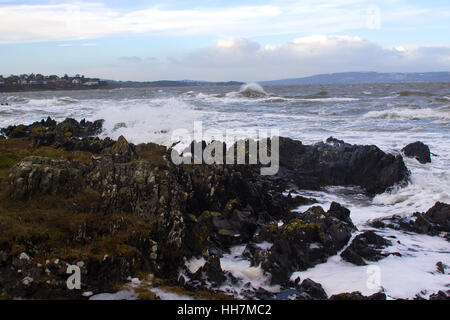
(168,83)
(365,77)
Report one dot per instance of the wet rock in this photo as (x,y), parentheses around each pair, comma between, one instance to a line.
(366,246)
(255,254)
(356,295)
(68,134)
(304,242)
(419,151)
(434,222)
(141,213)
(440,295)
(211,272)
(338,163)
(441,267)
(297,201)
(313,290)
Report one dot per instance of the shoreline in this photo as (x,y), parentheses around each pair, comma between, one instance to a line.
(171,227)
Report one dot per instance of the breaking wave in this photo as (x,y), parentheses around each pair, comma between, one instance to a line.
(252,90)
(407,114)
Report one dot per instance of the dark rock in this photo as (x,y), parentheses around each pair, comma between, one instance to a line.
(304,242)
(441,267)
(338,163)
(313,289)
(123,151)
(434,222)
(38,175)
(356,295)
(211,272)
(441,295)
(149,215)
(419,151)
(366,246)
(68,134)
(255,254)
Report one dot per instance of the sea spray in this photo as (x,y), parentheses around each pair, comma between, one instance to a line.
(252,90)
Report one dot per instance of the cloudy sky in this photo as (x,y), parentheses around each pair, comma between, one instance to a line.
(221,40)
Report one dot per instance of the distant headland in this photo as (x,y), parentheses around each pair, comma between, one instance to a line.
(35,82)
(39,82)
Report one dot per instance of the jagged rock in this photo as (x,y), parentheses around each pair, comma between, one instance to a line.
(419,151)
(435,221)
(123,151)
(366,246)
(255,254)
(313,290)
(441,267)
(356,295)
(304,242)
(211,272)
(34,175)
(68,134)
(141,213)
(440,295)
(338,163)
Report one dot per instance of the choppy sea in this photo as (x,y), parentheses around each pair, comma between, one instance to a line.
(387,115)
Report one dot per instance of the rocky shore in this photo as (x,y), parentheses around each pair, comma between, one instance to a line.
(121,211)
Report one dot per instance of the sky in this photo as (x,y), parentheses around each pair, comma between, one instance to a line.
(215,40)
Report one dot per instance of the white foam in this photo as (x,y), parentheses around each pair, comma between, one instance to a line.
(407,114)
(400,277)
(147,120)
(242,269)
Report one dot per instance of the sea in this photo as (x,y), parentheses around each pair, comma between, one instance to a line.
(389,115)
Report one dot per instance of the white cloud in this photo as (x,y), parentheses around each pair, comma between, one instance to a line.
(243,59)
(87,20)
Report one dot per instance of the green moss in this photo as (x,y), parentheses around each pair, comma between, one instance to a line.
(7,160)
(152,153)
(298,224)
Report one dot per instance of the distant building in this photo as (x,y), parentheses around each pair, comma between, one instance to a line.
(76,81)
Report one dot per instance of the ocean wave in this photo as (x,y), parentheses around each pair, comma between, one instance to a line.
(52,102)
(407,114)
(16,99)
(252,90)
(407,93)
(147,120)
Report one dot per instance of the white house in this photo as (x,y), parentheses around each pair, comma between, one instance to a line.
(76,81)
